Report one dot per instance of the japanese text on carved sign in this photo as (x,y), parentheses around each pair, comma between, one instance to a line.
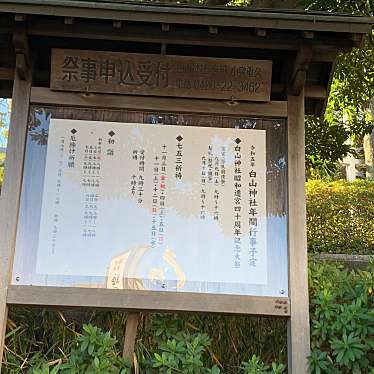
(159,75)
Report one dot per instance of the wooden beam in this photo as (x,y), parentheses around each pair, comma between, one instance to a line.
(21,48)
(325,55)
(6,74)
(349,261)
(300,68)
(130,336)
(298,324)
(182,34)
(197,16)
(152,34)
(41,95)
(357,39)
(321,53)
(316,92)
(11,190)
(139,300)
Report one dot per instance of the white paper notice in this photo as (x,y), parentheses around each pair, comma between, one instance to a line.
(154,205)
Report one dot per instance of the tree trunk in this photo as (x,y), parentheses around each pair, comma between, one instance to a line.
(369,148)
(369,155)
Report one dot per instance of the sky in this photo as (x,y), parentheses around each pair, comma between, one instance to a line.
(4,114)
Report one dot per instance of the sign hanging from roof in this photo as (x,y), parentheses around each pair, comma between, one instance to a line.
(161,75)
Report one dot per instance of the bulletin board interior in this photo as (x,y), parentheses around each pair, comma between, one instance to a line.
(218,296)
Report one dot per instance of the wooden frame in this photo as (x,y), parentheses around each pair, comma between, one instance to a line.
(41,95)
(137,300)
(296,306)
(11,191)
(181,301)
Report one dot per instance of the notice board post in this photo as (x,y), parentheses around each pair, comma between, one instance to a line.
(108,123)
(11,189)
(298,334)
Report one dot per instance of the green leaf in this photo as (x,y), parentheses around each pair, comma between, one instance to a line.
(96,362)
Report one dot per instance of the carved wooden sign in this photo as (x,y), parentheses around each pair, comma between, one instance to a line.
(161,75)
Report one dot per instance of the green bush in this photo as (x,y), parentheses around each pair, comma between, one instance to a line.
(200,343)
(45,337)
(342,330)
(342,319)
(94,352)
(340,216)
(256,366)
(325,145)
(180,352)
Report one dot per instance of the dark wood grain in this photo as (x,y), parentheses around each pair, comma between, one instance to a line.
(161,75)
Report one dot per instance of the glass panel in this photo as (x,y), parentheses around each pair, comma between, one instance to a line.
(161,270)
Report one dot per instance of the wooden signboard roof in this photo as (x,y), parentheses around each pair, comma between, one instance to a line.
(192,14)
(301,45)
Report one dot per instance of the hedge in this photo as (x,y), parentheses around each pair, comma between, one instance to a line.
(342,328)
(340,216)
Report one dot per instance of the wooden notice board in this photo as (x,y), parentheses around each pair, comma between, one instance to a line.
(111,71)
(160,75)
(90,89)
(271,295)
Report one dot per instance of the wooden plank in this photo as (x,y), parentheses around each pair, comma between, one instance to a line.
(298,326)
(233,38)
(11,191)
(350,261)
(313,91)
(316,92)
(226,39)
(160,75)
(45,96)
(130,336)
(138,300)
(6,74)
(321,54)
